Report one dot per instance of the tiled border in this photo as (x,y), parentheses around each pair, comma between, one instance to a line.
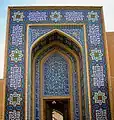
(96,54)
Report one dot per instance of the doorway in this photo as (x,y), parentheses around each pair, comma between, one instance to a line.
(57,109)
(58,79)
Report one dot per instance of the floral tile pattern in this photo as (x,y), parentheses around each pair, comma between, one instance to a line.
(18,21)
(14,99)
(92,16)
(56,78)
(16,55)
(55,16)
(96,54)
(18,16)
(36,33)
(57,83)
(99,97)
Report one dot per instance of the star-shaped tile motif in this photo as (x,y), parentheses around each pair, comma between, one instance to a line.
(14,99)
(14,115)
(96,54)
(99,97)
(16,55)
(92,16)
(18,16)
(55,16)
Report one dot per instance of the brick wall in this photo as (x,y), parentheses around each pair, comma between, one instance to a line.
(110,41)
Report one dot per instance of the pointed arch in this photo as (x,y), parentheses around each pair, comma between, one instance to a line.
(59,32)
(70,64)
(43,38)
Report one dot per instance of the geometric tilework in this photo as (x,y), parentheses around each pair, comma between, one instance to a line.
(101,114)
(16,55)
(99,97)
(37,16)
(14,115)
(76,33)
(17,36)
(15,77)
(35,33)
(74,81)
(92,16)
(96,54)
(94,34)
(18,21)
(18,16)
(60,39)
(56,77)
(74,16)
(98,76)
(14,99)
(55,16)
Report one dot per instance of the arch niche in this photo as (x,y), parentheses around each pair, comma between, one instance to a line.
(57,77)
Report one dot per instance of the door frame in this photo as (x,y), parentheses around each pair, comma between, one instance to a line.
(57,99)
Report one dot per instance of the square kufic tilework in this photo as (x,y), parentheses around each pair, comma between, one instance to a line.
(15,77)
(14,115)
(98,76)
(17,35)
(101,114)
(94,34)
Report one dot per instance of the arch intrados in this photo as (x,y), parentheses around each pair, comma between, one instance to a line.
(68,60)
(70,38)
(55,51)
(59,45)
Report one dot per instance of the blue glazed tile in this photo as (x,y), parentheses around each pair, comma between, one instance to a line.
(95,42)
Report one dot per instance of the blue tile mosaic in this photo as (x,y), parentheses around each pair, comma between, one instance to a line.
(74,83)
(55,76)
(19,18)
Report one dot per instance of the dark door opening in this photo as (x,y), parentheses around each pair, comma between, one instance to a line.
(57,110)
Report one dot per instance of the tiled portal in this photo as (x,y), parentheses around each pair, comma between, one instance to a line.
(76,34)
